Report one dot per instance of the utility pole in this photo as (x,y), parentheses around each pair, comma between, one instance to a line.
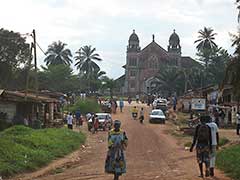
(28,71)
(35,61)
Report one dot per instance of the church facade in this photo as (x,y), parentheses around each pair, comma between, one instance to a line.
(143,65)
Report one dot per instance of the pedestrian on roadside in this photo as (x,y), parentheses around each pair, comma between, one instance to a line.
(141,118)
(121,105)
(238,122)
(70,121)
(137,98)
(78,118)
(129,100)
(215,143)
(203,141)
(95,124)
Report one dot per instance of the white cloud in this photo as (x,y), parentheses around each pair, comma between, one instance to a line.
(107,24)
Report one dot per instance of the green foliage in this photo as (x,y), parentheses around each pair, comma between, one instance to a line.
(228,161)
(25,149)
(108,83)
(85,106)
(206,42)
(58,78)
(213,58)
(57,54)
(170,80)
(85,60)
(223,141)
(232,75)
(188,144)
(14,52)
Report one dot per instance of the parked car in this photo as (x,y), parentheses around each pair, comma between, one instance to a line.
(104,119)
(161,104)
(157,116)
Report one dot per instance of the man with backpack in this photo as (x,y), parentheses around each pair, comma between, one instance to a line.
(203,141)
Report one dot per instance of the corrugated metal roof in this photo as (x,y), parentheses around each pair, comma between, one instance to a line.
(30,96)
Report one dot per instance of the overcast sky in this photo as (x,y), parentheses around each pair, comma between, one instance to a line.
(107,24)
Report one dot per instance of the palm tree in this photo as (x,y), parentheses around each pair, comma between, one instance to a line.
(206,44)
(206,39)
(85,60)
(169,80)
(57,54)
(238,7)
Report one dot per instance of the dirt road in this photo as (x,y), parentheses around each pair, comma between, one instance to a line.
(151,154)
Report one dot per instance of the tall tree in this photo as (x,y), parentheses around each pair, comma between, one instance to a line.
(58,54)
(233,69)
(86,58)
(85,62)
(108,83)
(14,53)
(58,78)
(206,44)
(95,80)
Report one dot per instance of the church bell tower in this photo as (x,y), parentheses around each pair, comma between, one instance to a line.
(131,69)
(174,48)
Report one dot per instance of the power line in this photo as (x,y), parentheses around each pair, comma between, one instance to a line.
(41,49)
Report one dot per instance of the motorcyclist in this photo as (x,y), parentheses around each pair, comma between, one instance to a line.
(134,112)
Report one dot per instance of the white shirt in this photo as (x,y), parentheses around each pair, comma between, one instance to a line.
(238,118)
(214,130)
(70,119)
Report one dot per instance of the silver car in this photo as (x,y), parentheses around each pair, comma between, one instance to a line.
(157,116)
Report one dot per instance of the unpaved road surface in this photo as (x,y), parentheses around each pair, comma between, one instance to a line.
(151,154)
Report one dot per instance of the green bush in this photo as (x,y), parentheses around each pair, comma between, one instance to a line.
(85,106)
(228,161)
(23,148)
(223,141)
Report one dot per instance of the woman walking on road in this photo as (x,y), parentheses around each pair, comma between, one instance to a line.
(117,143)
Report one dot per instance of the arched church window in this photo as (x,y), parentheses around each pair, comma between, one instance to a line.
(153,62)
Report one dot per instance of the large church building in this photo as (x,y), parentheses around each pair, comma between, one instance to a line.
(143,65)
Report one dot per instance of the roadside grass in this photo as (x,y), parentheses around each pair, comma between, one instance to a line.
(181,120)
(25,149)
(228,161)
(223,141)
